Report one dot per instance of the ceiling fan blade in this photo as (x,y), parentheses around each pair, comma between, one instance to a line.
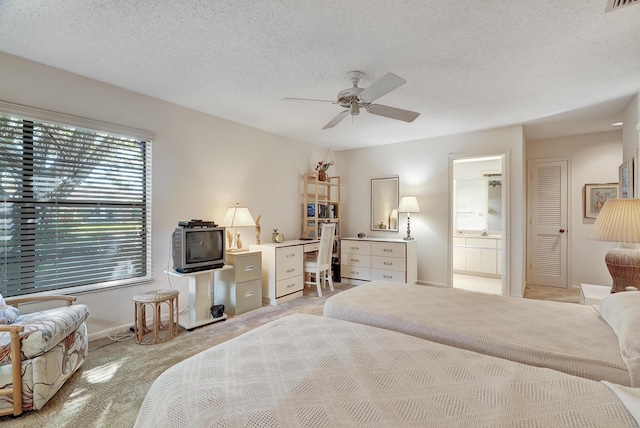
(393,113)
(309,99)
(382,86)
(333,122)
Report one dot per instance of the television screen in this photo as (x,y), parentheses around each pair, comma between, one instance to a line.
(203,246)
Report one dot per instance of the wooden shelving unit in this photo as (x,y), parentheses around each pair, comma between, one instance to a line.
(322,205)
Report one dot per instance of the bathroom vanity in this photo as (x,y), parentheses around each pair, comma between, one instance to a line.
(475,254)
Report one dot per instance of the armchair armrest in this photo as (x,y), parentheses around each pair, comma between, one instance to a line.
(16,388)
(15,301)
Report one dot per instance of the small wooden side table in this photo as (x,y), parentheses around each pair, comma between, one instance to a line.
(591,294)
(150,334)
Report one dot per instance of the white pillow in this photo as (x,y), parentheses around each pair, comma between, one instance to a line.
(622,312)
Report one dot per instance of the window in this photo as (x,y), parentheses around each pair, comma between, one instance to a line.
(74,207)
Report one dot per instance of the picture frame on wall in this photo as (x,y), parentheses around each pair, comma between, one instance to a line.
(626,178)
(595,195)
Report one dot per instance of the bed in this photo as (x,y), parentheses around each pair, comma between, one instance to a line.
(576,339)
(307,370)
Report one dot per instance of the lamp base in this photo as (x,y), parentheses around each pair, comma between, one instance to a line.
(409,238)
(623,263)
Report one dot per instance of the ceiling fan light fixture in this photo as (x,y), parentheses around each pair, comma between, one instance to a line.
(355,108)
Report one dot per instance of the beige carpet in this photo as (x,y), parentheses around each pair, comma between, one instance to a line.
(109,388)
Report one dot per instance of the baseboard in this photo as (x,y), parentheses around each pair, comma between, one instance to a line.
(119,329)
(432,284)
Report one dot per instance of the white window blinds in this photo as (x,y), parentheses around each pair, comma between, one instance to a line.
(74,208)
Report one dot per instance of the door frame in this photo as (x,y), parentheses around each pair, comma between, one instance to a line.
(569,228)
(506,217)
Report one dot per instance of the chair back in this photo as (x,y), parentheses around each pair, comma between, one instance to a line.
(325,249)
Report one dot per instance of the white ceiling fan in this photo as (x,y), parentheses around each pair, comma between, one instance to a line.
(353,99)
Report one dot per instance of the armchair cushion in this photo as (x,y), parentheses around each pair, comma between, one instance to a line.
(43,330)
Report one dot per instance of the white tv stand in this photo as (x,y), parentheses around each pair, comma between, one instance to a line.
(201,289)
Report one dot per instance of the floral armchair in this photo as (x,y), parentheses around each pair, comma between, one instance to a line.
(50,345)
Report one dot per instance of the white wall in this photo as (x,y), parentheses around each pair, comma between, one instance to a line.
(423,169)
(631,139)
(594,158)
(201,166)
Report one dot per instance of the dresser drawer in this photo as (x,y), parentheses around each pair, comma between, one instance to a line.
(289,262)
(355,272)
(289,285)
(248,268)
(388,263)
(387,275)
(356,247)
(388,249)
(361,260)
(248,296)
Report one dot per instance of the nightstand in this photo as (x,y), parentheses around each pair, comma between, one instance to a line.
(591,294)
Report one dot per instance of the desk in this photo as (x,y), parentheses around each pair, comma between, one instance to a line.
(283,269)
(591,294)
(201,291)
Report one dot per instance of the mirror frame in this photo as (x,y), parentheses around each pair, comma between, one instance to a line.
(391,195)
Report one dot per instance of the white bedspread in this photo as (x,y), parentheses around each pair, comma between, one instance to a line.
(567,337)
(310,371)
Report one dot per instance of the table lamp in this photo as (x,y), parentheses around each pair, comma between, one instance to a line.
(619,221)
(236,217)
(408,204)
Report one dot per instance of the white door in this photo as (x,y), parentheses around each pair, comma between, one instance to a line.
(548,223)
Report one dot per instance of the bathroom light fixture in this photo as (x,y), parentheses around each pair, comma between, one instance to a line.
(236,217)
(619,221)
(616,124)
(408,204)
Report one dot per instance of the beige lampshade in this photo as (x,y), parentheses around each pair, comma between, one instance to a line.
(238,217)
(394,214)
(618,221)
(408,204)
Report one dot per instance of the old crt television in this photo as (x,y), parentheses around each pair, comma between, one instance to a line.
(197,248)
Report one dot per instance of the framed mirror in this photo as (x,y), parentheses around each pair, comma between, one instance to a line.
(384,204)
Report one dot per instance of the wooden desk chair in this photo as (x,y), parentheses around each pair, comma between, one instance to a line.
(317,269)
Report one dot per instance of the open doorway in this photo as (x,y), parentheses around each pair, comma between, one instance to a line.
(478,224)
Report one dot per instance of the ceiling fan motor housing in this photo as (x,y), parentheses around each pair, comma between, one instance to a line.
(347,96)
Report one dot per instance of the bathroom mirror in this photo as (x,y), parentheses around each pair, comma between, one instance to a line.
(384,204)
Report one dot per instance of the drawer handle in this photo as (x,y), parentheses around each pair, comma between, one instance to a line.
(355,272)
(248,294)
(388,263)
(291,285)
(387,276)
(355,248)
(248,268)
(355,260)
(291,255)
(291,270)
(387,250)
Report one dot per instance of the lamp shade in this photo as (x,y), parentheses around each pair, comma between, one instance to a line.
(238,217)
(408,204)
(618,221)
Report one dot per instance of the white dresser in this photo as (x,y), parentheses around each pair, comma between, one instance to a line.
(370,259)
(240,289)
(283,269)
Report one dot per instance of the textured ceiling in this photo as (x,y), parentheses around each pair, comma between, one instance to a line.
(559,68)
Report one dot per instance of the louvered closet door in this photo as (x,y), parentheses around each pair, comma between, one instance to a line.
(548,251)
